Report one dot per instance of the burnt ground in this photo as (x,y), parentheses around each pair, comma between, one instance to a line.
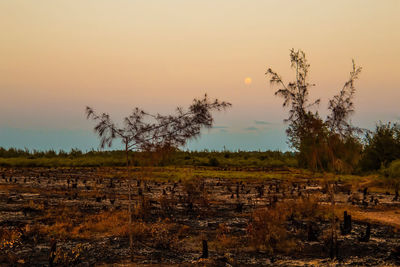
(174,215)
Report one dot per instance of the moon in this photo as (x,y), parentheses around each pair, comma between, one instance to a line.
(248,80)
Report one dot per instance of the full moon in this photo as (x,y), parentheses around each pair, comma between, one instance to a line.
(247,80)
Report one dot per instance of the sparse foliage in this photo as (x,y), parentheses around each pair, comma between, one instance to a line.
(341,107)
(330,144)
(144,131)
(296,96)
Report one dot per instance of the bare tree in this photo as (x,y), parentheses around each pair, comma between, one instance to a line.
(147,132)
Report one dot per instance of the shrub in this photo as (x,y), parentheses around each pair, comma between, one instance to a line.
(382,147)
(10,240)
(224,238)
(69,256)
(142,209)
(306,208)
(164,235)
(392,174)
(167,204)
(394,169)
(161,235)
(267,230)
(213,162)
(195,191)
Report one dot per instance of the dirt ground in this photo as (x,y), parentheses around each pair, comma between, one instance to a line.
(78,216)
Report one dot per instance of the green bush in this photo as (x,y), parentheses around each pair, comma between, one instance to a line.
(381,147)
(394,169)
(213,162)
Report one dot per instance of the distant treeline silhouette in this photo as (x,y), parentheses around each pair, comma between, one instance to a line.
(14,157)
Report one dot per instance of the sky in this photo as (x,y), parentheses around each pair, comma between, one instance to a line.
(57,57)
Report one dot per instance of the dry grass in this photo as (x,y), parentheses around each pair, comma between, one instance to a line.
(307,208)
(168,204)
(225,241)
(10,240)
(267,231)
(194,188)
(72,224)
(141,210)
(17,188)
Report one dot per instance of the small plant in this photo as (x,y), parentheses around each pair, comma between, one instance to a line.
(141,210)
(195,192)
(163,235)
(10,240)
(168,204)
(307,208)
(224,238)
(68,257)
(267,230)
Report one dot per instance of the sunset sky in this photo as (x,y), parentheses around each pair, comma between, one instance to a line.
(56,57)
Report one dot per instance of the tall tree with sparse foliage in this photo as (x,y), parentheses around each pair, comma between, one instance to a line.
(322,144)
(148,132)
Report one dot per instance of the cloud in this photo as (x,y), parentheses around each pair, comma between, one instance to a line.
(220,127)
(262,122)
(251,128)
